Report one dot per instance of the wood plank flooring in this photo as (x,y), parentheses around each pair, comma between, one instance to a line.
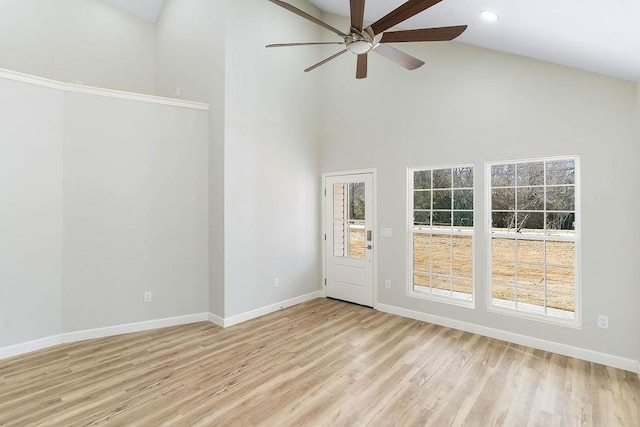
(325,363)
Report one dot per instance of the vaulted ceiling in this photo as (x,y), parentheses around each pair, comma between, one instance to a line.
(594,35)
(145,9)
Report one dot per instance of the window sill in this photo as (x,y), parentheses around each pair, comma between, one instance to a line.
(531,315)
(469,303)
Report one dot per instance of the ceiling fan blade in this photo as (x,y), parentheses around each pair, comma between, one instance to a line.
(313,67)
(361,70)
(423,35)
(301,44)
(399,57)
(307,16)
(402,13)
(357,14)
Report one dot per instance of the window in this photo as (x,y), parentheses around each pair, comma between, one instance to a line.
(348,220)
(441,234)
(533,237)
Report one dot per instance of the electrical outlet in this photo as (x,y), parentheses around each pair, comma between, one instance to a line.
(147,297)
(387,284)
(276,282)
(603,321)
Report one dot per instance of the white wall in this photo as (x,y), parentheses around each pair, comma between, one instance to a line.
(472,105)
(70,40)
(31,130)
(135,211)
(272,176)
(190,55)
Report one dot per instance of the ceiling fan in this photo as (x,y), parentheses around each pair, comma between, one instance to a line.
(360,40)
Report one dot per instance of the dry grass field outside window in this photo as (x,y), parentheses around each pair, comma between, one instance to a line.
(528,272)
(560,274)
(449,258)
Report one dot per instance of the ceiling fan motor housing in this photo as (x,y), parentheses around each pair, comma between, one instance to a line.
(358,44)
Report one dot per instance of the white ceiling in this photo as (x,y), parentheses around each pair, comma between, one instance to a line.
(596,35)
(145,9)
(602,36)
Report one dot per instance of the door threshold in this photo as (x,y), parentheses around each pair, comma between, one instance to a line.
(349,302)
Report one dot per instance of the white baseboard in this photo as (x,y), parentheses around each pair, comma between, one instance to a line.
(69,337)
(566,350)
(216,320)
(243,317)
(540,344)
(28,347)
(133,327)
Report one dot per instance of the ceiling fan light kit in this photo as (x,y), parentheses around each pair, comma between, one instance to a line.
(360,41)
(359,47)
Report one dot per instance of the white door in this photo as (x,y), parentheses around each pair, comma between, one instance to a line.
(349,237)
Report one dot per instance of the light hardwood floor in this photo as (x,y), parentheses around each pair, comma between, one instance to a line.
(324,363)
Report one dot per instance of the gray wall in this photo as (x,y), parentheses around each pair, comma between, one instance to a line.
(264,170)
(191,37)
(31,130)
(272,174)
(70,40)
(638,183)
(102,199)
(135,212)
(470,105)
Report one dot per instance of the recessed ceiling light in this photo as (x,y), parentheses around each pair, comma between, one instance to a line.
(489,16)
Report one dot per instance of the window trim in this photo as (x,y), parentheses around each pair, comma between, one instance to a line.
(488,234)
(410,292)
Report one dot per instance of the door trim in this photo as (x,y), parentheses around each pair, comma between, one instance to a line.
(374,192)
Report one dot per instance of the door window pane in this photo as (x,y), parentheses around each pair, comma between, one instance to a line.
(356,200)
(356,240)
(349,220)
